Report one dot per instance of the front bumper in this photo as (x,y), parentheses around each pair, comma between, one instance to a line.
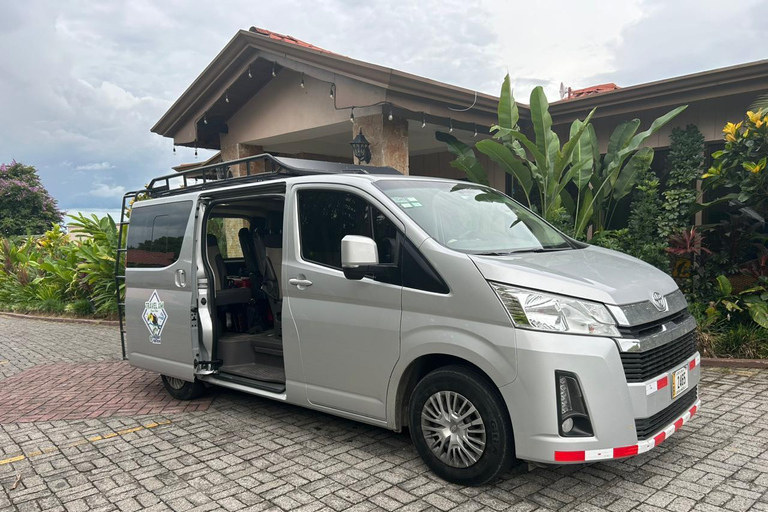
(612,403)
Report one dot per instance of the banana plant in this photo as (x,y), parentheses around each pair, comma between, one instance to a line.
(608,180)
(544,177)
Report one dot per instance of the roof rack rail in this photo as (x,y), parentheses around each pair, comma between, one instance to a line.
(220,174)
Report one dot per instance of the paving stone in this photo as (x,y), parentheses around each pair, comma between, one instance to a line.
(233,451)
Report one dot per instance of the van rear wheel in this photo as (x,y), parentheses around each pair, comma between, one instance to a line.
(461,427)
(182,389)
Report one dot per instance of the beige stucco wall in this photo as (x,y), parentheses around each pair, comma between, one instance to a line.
(285,110)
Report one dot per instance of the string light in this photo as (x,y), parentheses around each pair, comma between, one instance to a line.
(352,115)
(390,116)
(333,86)
(475,135)
(450,125)
(302,81)
(274,73)
(205,119)
(423,120)
(226,97)
(249,73)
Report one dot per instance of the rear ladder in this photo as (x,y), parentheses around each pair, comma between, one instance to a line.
(120,263)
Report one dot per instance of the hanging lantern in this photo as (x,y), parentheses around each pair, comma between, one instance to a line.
(361,148)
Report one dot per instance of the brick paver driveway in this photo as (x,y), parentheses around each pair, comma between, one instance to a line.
(126,447)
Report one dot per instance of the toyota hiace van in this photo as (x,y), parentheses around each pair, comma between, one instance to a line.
(439,306)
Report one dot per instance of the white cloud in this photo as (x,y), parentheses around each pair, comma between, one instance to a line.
(84,81)
(109,191)
(101,166)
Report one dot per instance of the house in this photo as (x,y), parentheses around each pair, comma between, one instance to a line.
(267,92)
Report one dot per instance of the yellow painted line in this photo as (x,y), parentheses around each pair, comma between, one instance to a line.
(84,441)
(12,459)
(4,361)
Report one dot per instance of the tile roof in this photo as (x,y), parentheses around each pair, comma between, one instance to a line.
(589,91)
(287,39)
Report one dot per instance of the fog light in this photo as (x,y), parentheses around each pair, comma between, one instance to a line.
(572,414)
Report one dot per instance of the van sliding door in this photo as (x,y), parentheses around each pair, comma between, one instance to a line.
(159,288)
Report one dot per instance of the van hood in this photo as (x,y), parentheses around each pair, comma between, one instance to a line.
(592,273)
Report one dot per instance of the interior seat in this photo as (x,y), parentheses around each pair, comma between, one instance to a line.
(249,254)
(224,295)
(270,284)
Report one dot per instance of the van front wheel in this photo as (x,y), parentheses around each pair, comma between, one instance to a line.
(461,427)
(182,389)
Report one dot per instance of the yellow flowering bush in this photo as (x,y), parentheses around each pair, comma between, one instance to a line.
(741,165)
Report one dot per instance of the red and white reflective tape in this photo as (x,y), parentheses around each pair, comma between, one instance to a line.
(628,451)
(663,381)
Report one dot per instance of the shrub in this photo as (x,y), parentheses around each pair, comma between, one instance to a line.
(685,163)
(52,274)
(25,205)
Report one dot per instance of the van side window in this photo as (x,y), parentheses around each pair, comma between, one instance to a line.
(327,216)
(156,233)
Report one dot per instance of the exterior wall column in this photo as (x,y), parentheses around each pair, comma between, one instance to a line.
(388,139)
(233,226)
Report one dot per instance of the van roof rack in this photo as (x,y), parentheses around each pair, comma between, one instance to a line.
(220,174)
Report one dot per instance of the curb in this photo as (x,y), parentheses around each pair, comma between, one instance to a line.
(63,320)
(722,362)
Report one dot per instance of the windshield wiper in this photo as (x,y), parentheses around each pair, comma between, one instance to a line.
(519,251)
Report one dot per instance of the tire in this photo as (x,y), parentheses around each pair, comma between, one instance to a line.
(183,390)
(459,389)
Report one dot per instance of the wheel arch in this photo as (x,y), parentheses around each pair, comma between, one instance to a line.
(418,369)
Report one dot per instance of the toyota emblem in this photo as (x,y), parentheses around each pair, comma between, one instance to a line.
(659,301)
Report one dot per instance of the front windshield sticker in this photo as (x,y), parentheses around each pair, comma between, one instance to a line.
(155,317)
(407,202)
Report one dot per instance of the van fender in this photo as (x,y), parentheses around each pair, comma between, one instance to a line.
(497,360)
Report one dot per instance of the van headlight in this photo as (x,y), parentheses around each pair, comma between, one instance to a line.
(541,311)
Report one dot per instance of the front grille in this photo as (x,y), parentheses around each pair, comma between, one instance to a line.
(646,427)
(641,366)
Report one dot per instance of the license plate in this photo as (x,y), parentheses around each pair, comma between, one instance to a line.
(679,381)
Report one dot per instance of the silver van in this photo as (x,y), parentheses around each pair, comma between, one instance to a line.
(401,301)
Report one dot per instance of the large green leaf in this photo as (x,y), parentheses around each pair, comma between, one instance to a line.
(503,156)
(584,214)
(619,138)
(724,284)
(759,313)
(627,178)
(565,156)
(538,156)
(657,124)
(465,158)
(508,114)
(542,121)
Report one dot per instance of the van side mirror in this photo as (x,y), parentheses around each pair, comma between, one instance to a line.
(358,254)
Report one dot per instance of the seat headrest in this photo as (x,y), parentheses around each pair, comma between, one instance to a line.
(243,233)
(212,241)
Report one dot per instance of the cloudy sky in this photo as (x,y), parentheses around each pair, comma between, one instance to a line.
(82,82)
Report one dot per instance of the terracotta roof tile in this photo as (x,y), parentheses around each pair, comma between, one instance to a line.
(287,39)
(589,91)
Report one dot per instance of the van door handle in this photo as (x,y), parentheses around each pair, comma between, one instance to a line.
(181,278)
(300,282)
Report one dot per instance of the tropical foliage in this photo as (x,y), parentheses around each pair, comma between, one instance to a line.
(54,274)
(545,169)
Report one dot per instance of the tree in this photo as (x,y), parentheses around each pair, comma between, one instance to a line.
(25,205)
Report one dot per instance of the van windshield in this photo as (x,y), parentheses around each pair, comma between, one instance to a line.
(472,218)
